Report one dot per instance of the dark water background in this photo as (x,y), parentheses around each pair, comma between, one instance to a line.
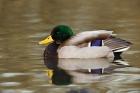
(23,23)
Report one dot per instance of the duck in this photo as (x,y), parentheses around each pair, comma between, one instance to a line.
(64,43)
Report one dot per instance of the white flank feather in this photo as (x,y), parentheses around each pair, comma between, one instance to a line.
(85,52)
(75,64)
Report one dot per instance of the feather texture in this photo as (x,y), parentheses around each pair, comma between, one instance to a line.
(76,64)
(116,43)
(87,36)
(85,52)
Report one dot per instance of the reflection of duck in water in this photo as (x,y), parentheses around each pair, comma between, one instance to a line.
(69,71)
(89,70)
(76,46)
(59,76)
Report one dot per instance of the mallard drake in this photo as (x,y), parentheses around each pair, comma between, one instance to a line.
(63,43)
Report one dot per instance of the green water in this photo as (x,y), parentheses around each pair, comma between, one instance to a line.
(23,23)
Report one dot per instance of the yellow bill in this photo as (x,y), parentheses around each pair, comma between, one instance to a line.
(46,41)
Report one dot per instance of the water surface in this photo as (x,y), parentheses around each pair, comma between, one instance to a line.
(24,22)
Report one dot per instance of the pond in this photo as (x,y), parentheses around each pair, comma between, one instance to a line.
(23,23)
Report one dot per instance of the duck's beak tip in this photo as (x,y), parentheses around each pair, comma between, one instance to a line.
(46,41)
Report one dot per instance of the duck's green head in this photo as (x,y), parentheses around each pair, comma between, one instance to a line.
(59,34)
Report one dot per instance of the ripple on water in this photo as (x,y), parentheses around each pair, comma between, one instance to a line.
(8,84)
(13,74)
(132,52)
(16,91)
(129,69)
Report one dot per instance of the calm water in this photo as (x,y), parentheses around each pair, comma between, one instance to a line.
(24,22)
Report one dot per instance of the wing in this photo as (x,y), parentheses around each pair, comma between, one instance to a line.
(87,36)
(116,43)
